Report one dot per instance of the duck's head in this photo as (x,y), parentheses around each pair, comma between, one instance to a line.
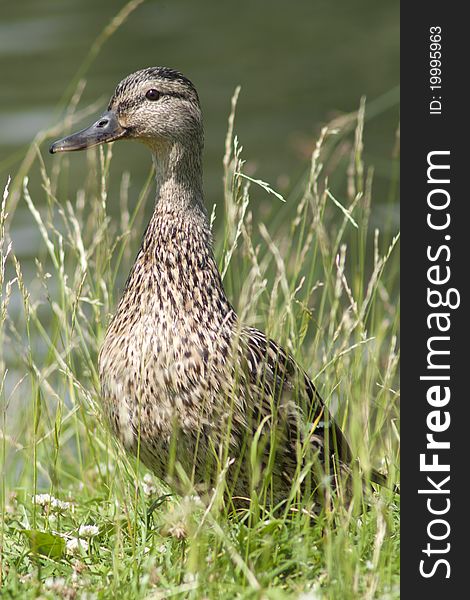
(158,106)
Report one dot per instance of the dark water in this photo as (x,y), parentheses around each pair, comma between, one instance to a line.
(298,63)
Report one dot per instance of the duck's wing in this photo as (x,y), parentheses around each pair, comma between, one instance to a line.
(278,383)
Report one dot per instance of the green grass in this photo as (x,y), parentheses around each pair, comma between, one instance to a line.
(312,273)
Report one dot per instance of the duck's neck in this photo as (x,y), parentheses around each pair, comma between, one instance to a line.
(179,219)
(178,174)
(178,242)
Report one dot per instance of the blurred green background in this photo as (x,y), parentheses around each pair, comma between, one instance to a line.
(299,65)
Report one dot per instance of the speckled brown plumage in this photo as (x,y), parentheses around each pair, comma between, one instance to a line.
(183,382)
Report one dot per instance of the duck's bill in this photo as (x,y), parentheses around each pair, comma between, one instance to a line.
(105,129)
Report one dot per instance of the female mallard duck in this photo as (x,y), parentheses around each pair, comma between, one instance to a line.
(184,384)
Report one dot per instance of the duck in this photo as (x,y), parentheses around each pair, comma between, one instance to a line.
(186,387)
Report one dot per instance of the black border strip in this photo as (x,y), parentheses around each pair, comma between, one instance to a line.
(432,567)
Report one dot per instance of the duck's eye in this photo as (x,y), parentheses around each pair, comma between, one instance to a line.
(153,95)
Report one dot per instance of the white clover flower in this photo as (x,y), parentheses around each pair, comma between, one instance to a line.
(76,546)
(60,504)
(148,485)
(42,499)
(48,501)
(88,531)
